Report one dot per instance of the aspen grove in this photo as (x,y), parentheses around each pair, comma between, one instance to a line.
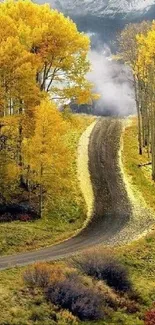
(43,64)
(137,49)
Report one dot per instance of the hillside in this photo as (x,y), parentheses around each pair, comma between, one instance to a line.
(24,301)
(112,9)
(66,213)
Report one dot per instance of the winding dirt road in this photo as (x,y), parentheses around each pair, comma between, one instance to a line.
(112,210)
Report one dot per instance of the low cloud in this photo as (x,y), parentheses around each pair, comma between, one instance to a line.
(113,81)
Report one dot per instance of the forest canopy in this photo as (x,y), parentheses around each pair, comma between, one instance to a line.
(43,65)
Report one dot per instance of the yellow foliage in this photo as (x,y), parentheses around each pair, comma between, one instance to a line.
(53,50)
(45,152)
(137,45)
(43,58)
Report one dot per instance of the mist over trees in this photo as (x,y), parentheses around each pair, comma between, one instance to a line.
(137,48)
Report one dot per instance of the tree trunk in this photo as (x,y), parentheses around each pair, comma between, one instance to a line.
(139,118)
(41,193)
(20,134)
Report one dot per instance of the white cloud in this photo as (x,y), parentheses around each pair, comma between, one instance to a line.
(113,81)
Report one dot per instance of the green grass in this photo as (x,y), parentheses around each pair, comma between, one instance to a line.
(18,304)
(140,177)
(67,210)
(140,255)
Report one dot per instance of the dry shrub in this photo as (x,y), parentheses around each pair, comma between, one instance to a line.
(64,317)
(80,301)
(107,268)
(80,278)
(41,274)
(58,273)
(109,295)
(38,275)
(150,317)
(114,300)
(132,307)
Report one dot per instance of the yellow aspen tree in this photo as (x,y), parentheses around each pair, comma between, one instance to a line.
(45,153)
(60,47)
(42,57)
(128,52)
(146,61)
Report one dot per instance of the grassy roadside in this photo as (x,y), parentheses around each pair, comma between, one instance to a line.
(68,212)
(140,255)
(140,178)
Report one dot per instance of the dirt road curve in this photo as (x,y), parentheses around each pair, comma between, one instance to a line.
(112,210)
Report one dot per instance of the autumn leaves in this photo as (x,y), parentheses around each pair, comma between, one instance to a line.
(137,49)
(43,63)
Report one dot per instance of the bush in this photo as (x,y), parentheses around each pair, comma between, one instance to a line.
(150,317)
(121,318)
(13,212)
(42,313)
(38,275)
(105,268)
(24,217)
(64,317)
(81,301)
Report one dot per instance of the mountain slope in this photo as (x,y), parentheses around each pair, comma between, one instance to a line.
(102,8)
